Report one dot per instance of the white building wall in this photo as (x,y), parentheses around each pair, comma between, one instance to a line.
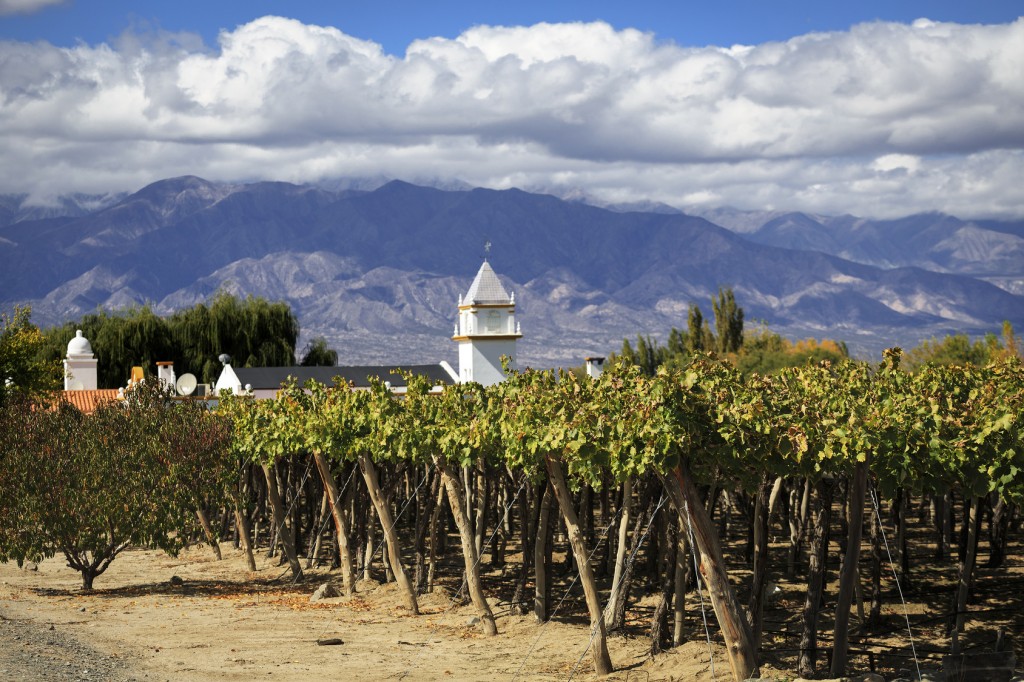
(480,360)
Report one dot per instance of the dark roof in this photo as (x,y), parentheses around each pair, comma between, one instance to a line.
(273,377)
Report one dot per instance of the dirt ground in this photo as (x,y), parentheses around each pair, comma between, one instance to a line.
(223,623)
(191,617)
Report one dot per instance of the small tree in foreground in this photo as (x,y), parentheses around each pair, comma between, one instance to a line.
(89,486)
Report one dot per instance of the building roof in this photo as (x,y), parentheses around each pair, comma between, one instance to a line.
(79,345)
(88,401)
(486,288)
(273,377)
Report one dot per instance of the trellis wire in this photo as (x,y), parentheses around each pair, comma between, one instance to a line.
(892,566)
(277,531)
(700,594)
(632,558)
(465,582)
(564,596)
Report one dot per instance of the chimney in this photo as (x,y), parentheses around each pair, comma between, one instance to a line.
(165,373)
(594,367)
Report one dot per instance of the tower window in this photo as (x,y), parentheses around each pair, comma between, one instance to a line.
(493,322)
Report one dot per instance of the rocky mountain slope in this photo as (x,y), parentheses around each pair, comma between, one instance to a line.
(378,272)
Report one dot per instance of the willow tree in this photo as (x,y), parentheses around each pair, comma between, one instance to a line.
(121,340)
(253,331)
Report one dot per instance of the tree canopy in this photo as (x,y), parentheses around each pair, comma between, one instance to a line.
(253,331)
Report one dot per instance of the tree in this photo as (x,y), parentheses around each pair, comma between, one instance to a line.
(695,329)
(318,354)
(89,486)
(253,331)
(728,322)
(22,368)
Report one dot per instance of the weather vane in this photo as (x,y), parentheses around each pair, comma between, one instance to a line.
(487,248)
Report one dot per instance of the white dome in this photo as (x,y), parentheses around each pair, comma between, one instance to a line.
(79,345)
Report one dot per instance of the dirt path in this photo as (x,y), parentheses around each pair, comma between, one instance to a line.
(221,623)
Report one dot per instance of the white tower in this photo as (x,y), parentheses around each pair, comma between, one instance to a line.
(486,330)
(80,365)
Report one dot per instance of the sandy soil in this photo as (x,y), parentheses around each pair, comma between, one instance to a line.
(223,623)
(191,617)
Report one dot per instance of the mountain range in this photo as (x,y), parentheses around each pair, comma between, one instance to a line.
(378,271)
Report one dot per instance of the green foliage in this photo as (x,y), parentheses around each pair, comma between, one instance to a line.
(23,369)
(765,352)
(89,486)
(959,350)
(318,354)
(728,322)
(253,331)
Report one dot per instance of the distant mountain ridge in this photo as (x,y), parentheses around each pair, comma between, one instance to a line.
(379,271)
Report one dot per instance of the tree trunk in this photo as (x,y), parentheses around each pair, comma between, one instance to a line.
(797,524)
(281,521)
(387,523)
(341,524)
(527,529)
(243,536)
(938,517)
(434,516)
(759,578)
(541,542)
(875,614)
(646,492)
(1000,522)
(211,537)
(316,537)
(815,580)
(424,515)
(602,660)
(620,554)
(967,567)
(469,554)
(679,600)
(849,576)
(659,621)
(739,641)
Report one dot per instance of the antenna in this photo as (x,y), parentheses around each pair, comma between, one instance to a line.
(186,384)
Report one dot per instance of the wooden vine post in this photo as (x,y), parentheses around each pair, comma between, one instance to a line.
(378,431)
(739,641)
(454,424)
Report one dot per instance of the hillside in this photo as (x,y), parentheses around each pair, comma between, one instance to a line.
(379,272)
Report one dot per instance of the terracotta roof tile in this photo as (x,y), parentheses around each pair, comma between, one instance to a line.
(88,401)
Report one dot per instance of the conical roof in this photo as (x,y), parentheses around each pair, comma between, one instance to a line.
(486,288)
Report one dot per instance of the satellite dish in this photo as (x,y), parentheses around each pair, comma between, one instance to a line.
(186,384)
(76,386)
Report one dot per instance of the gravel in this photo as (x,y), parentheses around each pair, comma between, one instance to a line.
(33,652)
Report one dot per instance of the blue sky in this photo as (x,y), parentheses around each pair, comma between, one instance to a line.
(870,108)
(395,24)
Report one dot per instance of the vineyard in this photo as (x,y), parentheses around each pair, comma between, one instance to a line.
(670,506)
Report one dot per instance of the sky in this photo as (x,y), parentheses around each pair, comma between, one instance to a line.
(877,109)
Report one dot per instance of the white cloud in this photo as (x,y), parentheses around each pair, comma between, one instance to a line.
(26,6)
(881,120)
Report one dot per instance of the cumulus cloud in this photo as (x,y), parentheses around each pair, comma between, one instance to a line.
(26,6)
(880,120)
